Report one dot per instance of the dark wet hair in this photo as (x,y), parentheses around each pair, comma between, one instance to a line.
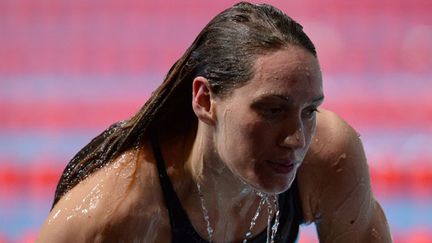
(224,52)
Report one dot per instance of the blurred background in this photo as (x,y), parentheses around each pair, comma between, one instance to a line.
(68,69)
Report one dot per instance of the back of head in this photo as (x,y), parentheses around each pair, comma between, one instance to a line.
(224,53)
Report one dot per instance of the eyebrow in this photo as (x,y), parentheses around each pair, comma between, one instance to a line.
(289,99)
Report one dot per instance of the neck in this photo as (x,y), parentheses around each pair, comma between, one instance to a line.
(229,202)
(215,178)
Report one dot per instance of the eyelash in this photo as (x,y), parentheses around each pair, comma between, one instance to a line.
(311,112)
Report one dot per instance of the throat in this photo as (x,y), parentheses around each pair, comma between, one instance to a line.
(220,206)
(230,224)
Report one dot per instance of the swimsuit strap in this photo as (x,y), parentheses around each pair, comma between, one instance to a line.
(181,227)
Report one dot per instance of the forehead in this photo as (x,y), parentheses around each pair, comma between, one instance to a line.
(288,64)
(292,72)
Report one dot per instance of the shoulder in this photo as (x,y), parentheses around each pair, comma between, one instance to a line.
(126,189)
(334,186)
(335,146)
(334,168)
(334,135)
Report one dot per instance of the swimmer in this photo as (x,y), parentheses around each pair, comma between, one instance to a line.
(232,147)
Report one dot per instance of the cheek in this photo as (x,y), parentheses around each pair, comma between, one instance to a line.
(244,142)
(310,131)
(246,138)
(259,142)
(263,135)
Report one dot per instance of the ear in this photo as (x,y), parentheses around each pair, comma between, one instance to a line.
(202,100)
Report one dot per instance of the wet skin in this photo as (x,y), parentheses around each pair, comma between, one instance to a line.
(258,135)
(263,129)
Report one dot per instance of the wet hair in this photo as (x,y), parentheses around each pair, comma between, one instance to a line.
(224,53)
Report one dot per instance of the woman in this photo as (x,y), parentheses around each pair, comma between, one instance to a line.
(213,155)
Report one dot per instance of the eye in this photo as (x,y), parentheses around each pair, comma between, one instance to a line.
(309,113)
(270,108)
(271,112)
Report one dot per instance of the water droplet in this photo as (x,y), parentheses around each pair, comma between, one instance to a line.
(56,214)
(376,234)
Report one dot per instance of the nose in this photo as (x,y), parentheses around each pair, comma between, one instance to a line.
(294,138)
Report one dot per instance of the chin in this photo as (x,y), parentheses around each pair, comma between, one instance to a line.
(275,184)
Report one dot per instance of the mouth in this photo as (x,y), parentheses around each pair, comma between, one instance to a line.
(281,167)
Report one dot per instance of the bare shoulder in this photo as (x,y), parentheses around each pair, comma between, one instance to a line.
(334,185)
(334,147)
(334,160)
(334,136)
(120,200)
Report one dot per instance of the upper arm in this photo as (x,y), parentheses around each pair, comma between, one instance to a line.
(66,221)
(81,215)
(335,186)
(119,201)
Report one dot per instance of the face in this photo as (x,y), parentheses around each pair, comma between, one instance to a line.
(264,128)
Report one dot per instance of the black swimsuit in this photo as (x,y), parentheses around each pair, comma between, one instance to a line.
(182,230)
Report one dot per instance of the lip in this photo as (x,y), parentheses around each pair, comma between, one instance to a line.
(281,166)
